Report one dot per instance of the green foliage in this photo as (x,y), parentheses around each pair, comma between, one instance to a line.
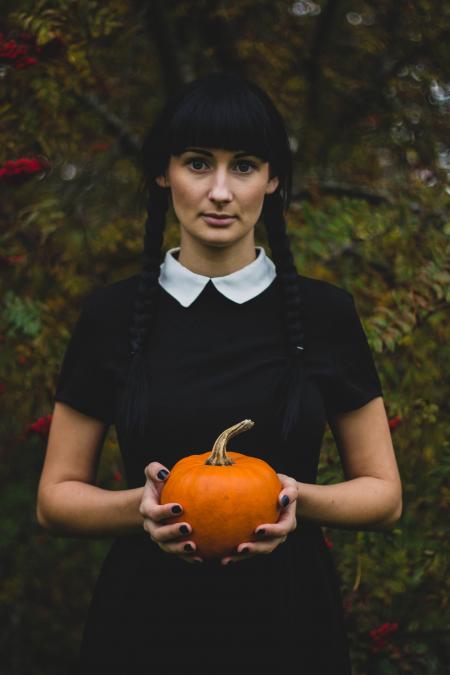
(362,88)
(21,315)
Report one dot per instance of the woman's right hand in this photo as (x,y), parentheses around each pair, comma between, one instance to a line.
(166,536)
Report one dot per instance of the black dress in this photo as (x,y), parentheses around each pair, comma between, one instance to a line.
(213,364)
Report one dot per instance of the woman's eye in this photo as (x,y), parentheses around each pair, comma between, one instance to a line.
(198,161)
(250,164)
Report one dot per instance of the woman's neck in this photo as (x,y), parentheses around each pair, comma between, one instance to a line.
(212,261)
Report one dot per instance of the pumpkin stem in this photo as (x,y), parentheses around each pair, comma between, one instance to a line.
(218,456)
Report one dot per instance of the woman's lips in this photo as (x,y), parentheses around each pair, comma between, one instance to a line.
(217,221)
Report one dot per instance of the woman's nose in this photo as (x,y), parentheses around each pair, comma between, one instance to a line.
(220,190)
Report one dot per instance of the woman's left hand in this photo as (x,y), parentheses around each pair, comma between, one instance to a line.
(271,535)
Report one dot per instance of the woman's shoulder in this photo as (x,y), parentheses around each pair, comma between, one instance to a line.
(112,300)
(321,294)
(326,305)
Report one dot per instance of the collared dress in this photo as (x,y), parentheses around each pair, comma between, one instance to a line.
(217,355)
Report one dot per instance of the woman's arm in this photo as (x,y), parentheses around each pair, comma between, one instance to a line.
(68,503)
(371,496)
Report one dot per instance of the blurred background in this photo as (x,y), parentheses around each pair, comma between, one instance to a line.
(364,88)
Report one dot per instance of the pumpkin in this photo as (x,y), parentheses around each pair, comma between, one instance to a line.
(224,495)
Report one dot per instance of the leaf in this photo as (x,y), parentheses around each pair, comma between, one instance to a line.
(23,315)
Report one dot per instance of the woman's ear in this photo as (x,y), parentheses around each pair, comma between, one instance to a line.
(162,181)
(272,185)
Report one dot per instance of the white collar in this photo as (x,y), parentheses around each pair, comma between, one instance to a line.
(240,286)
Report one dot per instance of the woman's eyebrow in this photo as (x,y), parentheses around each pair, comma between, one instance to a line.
(210,154)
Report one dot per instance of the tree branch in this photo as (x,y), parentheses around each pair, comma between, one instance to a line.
(129,141)
(175,72)
(312,63)
(342,190)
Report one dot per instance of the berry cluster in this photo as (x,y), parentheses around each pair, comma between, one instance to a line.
(20,53)
(394,422)
(24,167)
(41,426)
(379,635)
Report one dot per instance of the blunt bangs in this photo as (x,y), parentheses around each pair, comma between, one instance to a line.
(224,111)
(230,121)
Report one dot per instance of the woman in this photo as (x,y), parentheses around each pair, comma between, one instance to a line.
(217,333)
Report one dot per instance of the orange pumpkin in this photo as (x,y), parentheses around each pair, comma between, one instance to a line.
(224,495)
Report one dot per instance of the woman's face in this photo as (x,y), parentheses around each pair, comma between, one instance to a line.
(207,180)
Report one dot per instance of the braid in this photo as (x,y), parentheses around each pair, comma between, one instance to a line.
(287,273)
(135,404)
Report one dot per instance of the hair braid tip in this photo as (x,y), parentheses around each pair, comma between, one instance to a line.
(297,351)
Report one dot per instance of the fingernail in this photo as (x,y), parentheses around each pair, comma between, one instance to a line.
(162,474)
(244,550)
(261,531)
(285,500)
(176,509)
(188,547)
(184,529)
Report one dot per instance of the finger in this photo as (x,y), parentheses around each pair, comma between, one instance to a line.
(250,549)
(267,546)
(168,533)
(186,548)
(287,497)
(287,480)
(259,548)
(156,472)
(191,559)
(230,560)
(287,521)
(244,553)
(149,508)
(285,524)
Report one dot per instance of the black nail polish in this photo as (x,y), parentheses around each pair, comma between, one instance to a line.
(184,529)
(162,474)
(285,500)
(176,509)
(244,550)
(261,532)
(188,547)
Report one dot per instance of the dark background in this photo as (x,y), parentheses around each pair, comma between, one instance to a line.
(364,88)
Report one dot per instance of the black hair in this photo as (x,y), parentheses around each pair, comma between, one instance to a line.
(227,111)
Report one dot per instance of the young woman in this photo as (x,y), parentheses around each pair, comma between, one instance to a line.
(216,333)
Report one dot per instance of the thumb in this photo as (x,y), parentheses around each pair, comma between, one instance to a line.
(156,472)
